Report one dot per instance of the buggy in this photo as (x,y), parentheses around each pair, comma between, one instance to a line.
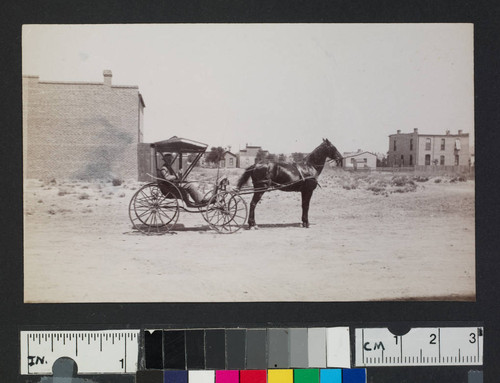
(155,208)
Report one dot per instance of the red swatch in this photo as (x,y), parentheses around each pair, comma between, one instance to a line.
(253,376)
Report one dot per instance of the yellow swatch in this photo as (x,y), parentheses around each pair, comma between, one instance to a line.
(280,376)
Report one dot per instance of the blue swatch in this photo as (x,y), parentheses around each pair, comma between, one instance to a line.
(173,376)
(331,375)
(354,375)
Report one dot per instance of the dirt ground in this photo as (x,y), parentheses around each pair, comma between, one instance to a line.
(372,237)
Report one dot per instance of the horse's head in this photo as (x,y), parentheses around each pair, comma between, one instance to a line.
(332,152)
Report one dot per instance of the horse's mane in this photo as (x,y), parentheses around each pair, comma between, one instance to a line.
(315,151)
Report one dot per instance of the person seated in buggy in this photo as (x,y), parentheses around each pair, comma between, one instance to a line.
(169,174)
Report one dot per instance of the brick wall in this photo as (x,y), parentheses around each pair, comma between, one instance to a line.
(406,146)
(81,130)
(420,148)
(449,151)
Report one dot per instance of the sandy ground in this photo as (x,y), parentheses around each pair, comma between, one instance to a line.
(364,243)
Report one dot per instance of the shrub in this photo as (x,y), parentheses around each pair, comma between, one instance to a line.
(437,180)
(62,192)
(421,179)
(83,196)
(375,189)
(117,182)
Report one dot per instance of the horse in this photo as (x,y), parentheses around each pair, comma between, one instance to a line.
(289,177)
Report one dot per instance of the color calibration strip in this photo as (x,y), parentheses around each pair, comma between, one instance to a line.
(247,349)
(254,376)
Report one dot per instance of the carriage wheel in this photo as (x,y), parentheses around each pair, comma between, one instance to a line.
(226,212)
(153,212)
(207,197)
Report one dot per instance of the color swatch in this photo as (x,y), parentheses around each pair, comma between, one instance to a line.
(247,349)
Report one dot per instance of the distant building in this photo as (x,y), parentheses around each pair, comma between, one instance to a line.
(359,160)
(230,160)
(248,155)
(414,149)
(81,129)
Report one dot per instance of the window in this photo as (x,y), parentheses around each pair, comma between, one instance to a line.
(411,143)
(442,143)
(411,160)
(457,159)
(427,159)
(402,160)
(427,144)
(231,163)
(441,160)
(394,145)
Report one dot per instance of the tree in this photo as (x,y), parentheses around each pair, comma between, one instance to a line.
(381,161)
(215,155)
(281,157)
(298,157)
(191,157)
(261,156)
(271,157)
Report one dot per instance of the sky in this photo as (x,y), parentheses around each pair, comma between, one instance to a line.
(280,86)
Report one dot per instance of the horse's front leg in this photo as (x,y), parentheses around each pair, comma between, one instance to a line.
(306,198)
(251,215)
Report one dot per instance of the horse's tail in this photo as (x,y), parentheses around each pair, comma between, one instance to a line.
(245,176)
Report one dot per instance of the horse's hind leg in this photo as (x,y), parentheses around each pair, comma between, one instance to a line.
(306,198)
(251,216)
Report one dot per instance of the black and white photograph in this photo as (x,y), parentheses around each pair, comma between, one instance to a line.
(248,162)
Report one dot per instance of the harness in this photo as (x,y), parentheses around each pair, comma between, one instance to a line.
(300,172)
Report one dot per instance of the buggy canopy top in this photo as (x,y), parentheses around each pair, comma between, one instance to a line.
(179,145)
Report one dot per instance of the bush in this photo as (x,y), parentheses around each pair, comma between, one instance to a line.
(437,180)
(401,181)
(375,189)
(117,182)
(421,179)
(84,196)
(62,192)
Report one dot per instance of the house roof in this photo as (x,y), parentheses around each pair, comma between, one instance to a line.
(356,154)
(431,135)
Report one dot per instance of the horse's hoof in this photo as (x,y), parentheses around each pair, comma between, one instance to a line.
(253,227)
(306,225)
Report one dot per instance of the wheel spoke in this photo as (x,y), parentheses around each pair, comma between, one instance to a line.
(153,212)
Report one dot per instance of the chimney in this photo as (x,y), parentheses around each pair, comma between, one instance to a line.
(398,131)
(359,150)
(447,132)
(107,77)
(415,130)
(460,131)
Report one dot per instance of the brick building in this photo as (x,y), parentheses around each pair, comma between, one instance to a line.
(248,155)
(420,150)
(81,129)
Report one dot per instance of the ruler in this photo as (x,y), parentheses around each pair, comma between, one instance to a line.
(432,346)
(101,352)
